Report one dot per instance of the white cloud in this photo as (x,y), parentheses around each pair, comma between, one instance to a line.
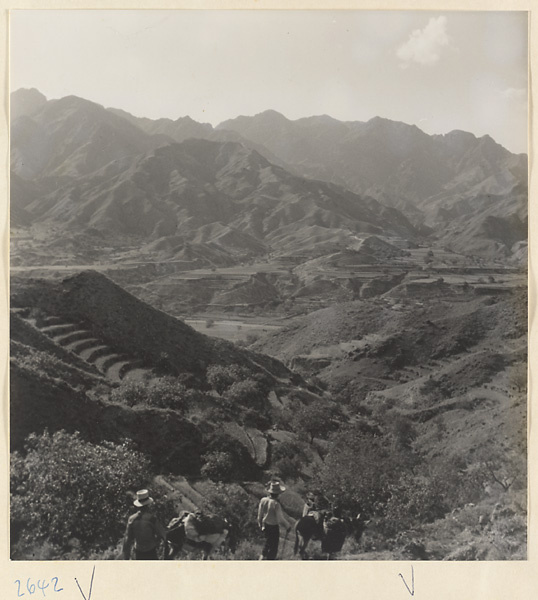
(424,45)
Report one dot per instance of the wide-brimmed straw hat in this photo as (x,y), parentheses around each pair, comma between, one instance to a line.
(143,498)
(275,487)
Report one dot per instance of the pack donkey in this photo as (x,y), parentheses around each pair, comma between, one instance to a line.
(327,528)
(197,531)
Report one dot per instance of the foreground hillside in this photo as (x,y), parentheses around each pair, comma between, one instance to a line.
(94,368)
(97,373)
(447,370)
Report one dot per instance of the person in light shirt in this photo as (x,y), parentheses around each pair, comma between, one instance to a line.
(270,516)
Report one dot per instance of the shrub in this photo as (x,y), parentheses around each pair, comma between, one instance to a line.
(221,377)
(316,420)
(161,392)
(502,470)
(414,500)
(47,365)
(287,468)
(217,414)
(288,459)
(226,459)
(65,488)
(361,468)
(247,393)
(218,466)
(403,430)
(252,418)
(231,501)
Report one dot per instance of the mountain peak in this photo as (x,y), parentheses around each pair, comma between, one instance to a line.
(270,112)
(384,122)
(26,101)
(28,93)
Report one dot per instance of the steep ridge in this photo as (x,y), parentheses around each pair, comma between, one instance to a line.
(180,189)
(383,156)
(70,137)
(423,176)
(127,326)
(185,128)
(105,169)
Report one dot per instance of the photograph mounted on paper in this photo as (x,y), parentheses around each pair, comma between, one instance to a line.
(268,282)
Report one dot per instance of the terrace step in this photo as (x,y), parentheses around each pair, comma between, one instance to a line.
(59,328)
(116,368)
(79,345)
(134,363)
(52,320)
(73,336)
(105,361)
(90,354)
(136,374)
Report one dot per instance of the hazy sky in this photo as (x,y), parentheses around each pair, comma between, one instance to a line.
(438,70)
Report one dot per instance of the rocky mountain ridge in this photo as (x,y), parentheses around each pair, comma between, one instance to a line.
(90,167)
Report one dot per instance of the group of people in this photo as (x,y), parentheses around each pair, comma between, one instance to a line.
(144,531)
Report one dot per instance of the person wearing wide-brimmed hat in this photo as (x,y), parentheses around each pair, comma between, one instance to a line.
(270,515)
(143,530)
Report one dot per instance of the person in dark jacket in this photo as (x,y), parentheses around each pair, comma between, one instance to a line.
(144,531)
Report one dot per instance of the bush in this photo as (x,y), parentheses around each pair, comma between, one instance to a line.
(316,420)
(217,414)
(161,392)
(218,466)
(286,449)
(46,365)
(403,430)
(64,488)
(247,393)
(220,377)
(287,468)
(414,500)
(252,418)
(231,501)
(362,467)
(226,459)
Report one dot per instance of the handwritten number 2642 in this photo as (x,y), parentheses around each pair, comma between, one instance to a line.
(42,585)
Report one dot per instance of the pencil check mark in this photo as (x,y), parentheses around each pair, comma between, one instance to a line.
(411,589)
(91,584)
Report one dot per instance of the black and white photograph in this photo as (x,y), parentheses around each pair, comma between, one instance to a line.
(268,285)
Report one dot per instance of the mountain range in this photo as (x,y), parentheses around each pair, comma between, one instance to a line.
(260,184)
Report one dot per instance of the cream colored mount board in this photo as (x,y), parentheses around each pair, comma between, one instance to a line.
(120,580)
